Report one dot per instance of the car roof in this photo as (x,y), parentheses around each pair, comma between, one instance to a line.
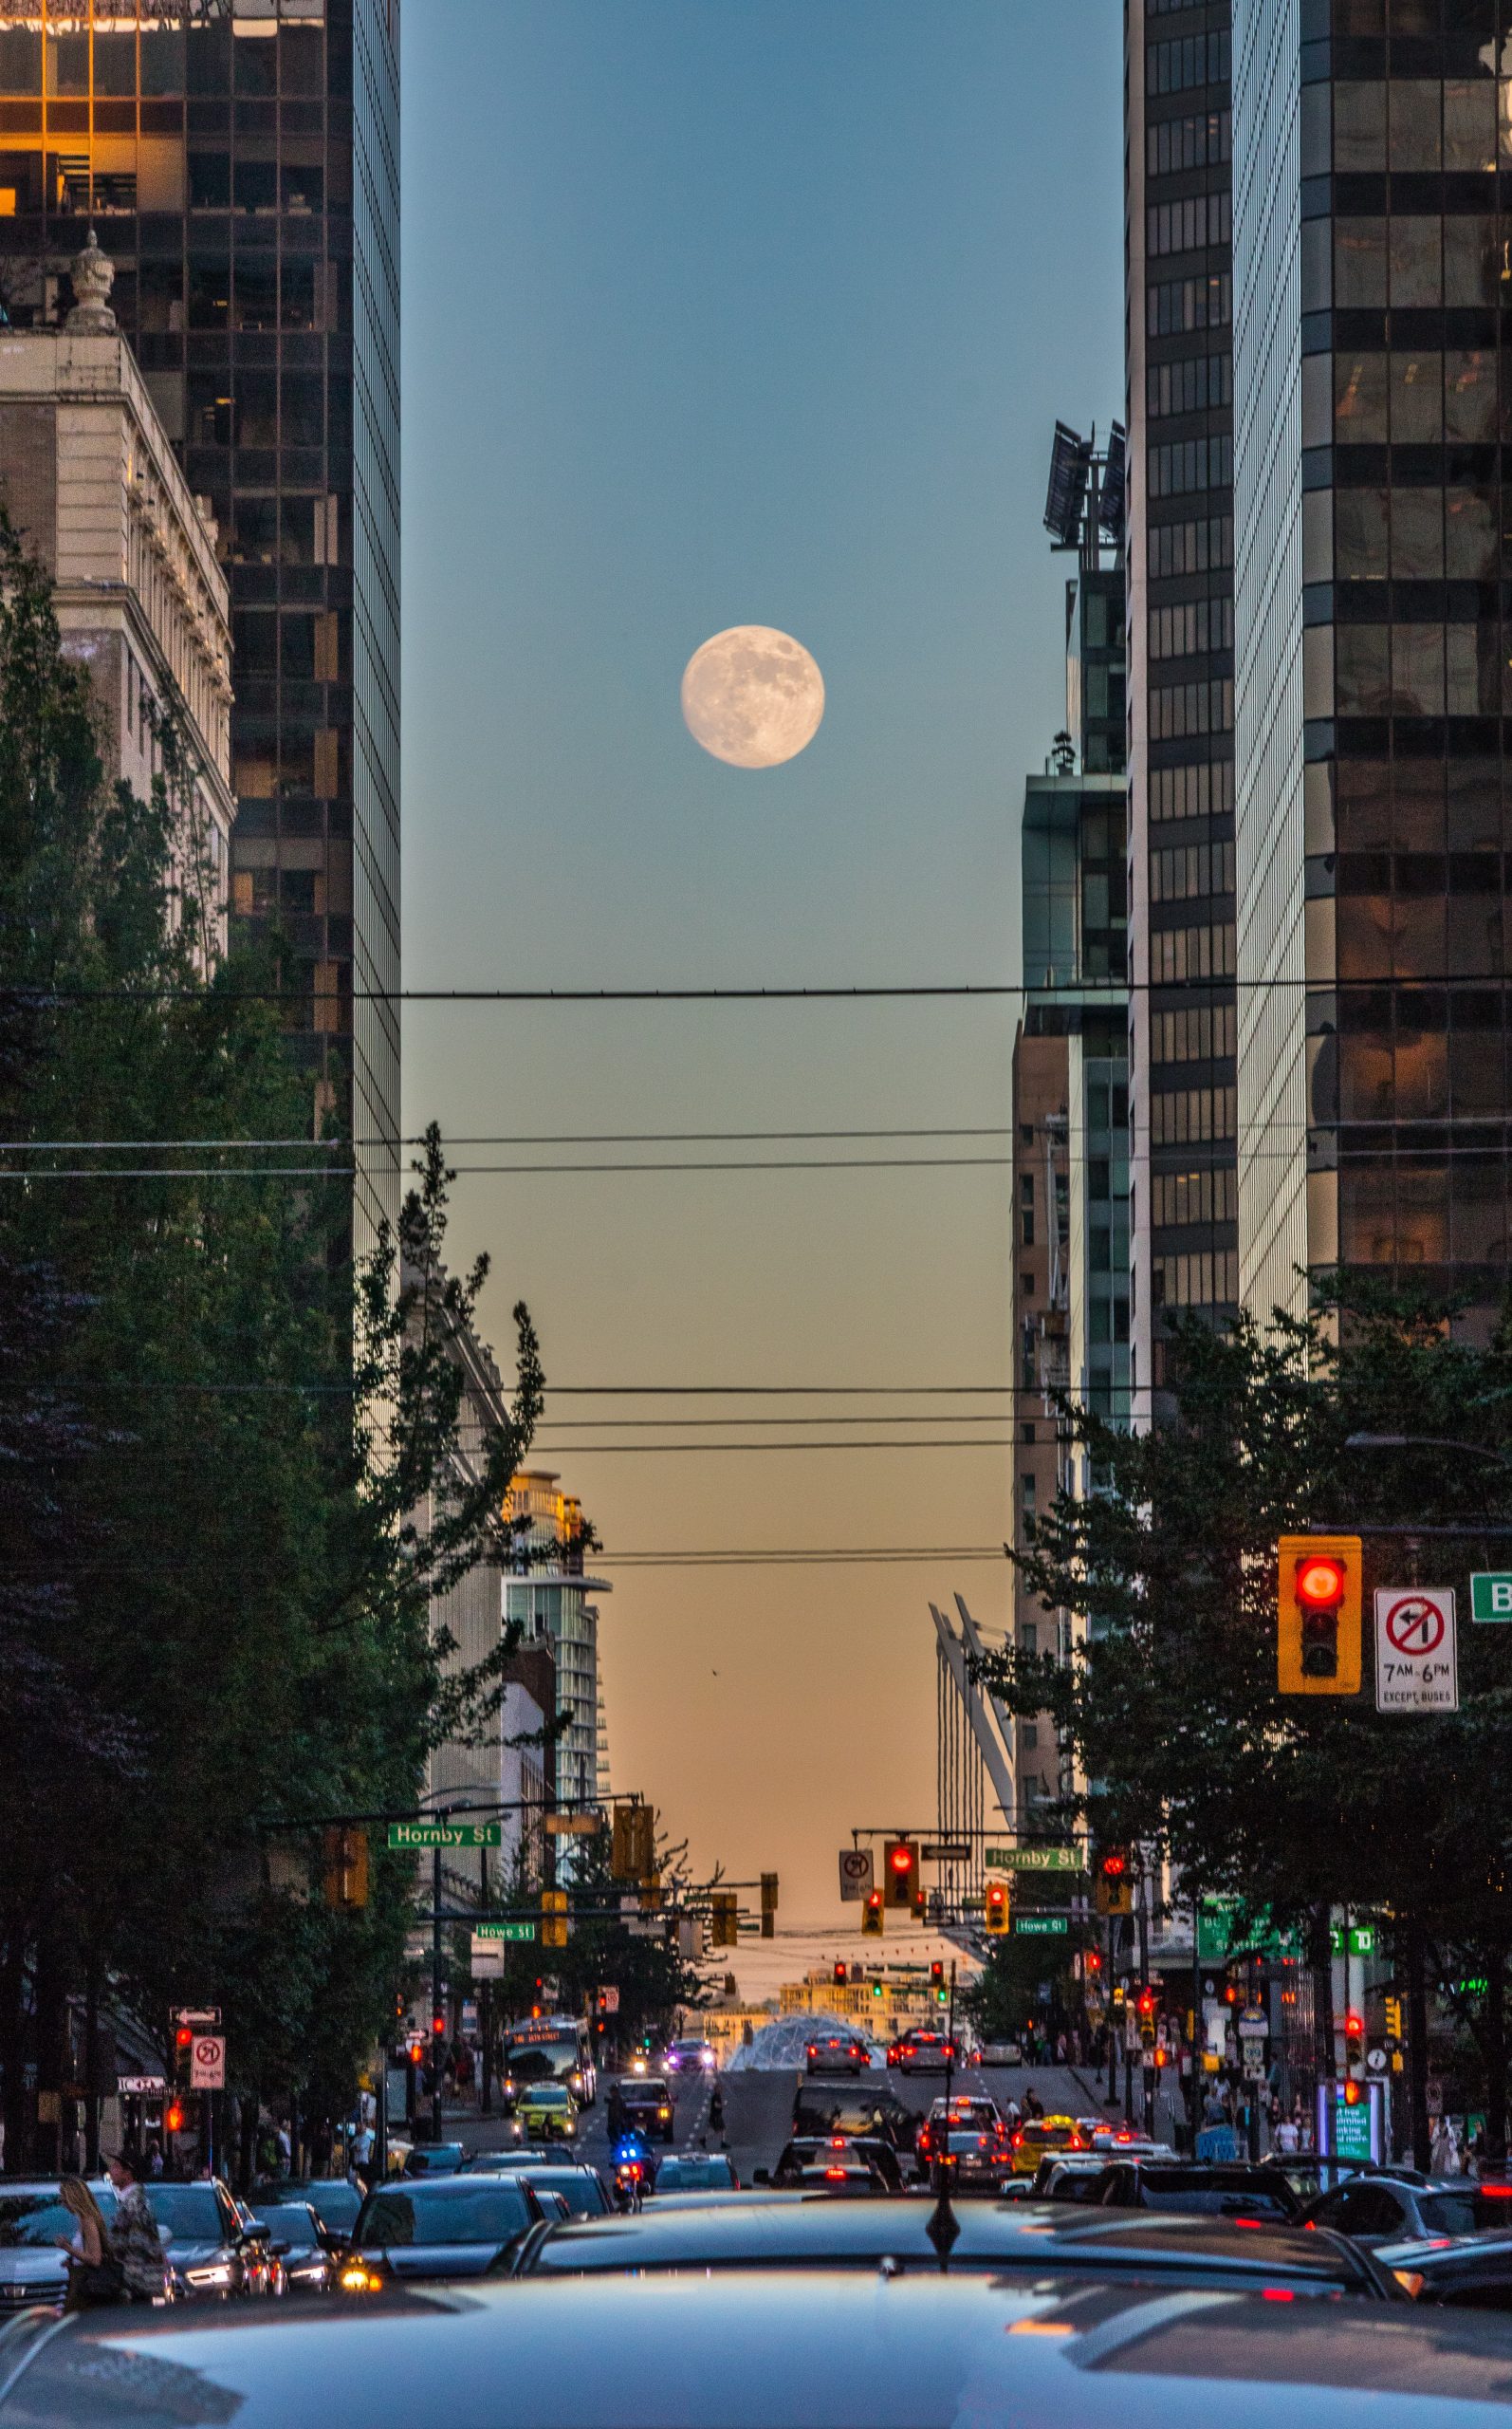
(793,2350)
(991,2234)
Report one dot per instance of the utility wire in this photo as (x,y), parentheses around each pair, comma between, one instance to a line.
(1098,995)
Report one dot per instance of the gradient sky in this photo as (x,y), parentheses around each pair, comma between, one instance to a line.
(725,311)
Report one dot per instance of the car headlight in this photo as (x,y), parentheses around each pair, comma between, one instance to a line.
(216,2273)
(359,2277)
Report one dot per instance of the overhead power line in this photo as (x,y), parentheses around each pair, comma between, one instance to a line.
(1103,996)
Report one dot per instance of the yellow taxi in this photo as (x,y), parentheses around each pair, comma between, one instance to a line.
(546,2110)
(1038,2135)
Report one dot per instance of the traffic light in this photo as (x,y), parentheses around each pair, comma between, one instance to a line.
(183,2055)
(1393,2020)
(998,1916)
(842,1977)
(553,1918)
(1112,1886)
(1354,2040)
(937,1978)
(1317,1615)
(1147,2018)
(768,1905)
(724,1919)
(900,1871)
(872,1915)
(921,1907)
(343,1871)
(417,2050)
(174,2118)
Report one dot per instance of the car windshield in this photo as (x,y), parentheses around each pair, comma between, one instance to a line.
(39,2218)
(581,2191)
(645,2087)
(695,2175)
(463,2212)
(548,2096)
(290,2221)
(191,2211)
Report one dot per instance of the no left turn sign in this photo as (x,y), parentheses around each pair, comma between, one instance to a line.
(1416,1652)
(207,2063)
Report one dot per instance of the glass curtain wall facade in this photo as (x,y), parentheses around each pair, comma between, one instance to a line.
(1378,319)
(239,160)
(1179,320)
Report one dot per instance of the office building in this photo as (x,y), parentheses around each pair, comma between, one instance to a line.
(1070,1064)
(99,499)
(239,160)
(1179,324)
(549,1595)
(1371,658)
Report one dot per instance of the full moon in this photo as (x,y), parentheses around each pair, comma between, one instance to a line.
(752,697)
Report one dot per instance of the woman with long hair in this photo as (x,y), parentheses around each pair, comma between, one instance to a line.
(94,2273)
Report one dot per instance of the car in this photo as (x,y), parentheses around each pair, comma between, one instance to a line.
(836,2053)
(452,2226)
(32,2218)
(921,2051)
(979,2162)
(335,2199)
(1068,2176)
(967,2112)
(546,2110)
(303,2248)
(690,2055)
(870,2108)
(1120,2140)
(212,2252)
(1034,2135)
(580,2189)
(791,2348)
(1312,2172)
(641,2105)
(805,2152)
(696,2171)
(994,2053)
(437,2159)
(783,2230)
(843,2173)
(1216,2188)
(1467,2272)
(527,2155)
(1390,2206)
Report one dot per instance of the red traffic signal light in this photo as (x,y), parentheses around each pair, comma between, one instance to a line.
(842,1977)
(901,1871)
(936,1973)
(997,1914)
(417,2050)
(1322,1581)
(900,1856)
(1354,2093)
(438,2026)
(1093,1962)
(1146,2003)
(183,2036)
(173,2118)
(1115,1864)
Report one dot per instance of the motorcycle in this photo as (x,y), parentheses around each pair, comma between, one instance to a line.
(633,2173)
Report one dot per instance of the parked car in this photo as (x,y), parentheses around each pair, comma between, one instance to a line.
(1214,2188)
(1390,2206)
(32,2269)
(793,2349)
(836,2053)
(304,2250)
(453,2226)
(211,2250)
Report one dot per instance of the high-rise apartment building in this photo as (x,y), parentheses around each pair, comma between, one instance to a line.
(551,1599)
(1179,323)
(240,162)
(1372,649)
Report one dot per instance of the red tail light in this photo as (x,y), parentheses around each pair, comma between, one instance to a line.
(1018,2141)
(1277,2294)
(833,2176)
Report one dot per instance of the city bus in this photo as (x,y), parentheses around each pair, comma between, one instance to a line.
(554,2048)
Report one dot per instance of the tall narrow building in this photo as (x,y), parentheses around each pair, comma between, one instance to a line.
(1179,323)
(1372,643)
(239,160)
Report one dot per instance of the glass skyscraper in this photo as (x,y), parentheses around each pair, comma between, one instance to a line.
(1372,611)
(239,160)
(1179,319)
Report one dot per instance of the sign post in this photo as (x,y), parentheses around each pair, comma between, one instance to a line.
(1417,1659)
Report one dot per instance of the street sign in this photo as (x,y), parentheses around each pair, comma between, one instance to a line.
(856,1873)
(209,2016)
(946,1851)
(446,1834)
(505,1931)
(1361,1940)
(1416,1667)
(1253,2027)
(141,2086)
(207,2063)
(609,1998)
(1377,2059)
(573,1826)
(1491,1595)
(1034,1859)
(1041,1927)
(487,1959)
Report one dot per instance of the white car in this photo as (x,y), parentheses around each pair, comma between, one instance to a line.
(998,2054)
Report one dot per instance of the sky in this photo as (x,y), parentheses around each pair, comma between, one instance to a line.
(717,312)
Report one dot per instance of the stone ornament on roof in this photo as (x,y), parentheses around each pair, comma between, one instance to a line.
(93,275)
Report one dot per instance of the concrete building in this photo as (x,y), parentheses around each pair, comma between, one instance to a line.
(526,1778)
(93,486)
(550,1596)
(240,159)
(1371,645)
(1182,1014)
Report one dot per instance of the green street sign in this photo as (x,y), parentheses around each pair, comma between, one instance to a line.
(1041,1927)
(446,1834)
(1361,1940)
(1219,1938)
(1491,1595)
(1034,1859)
(504,1931)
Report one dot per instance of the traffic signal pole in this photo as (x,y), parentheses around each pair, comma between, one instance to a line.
(435,1986)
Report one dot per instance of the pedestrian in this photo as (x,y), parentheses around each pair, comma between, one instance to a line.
(716,2109)
(1033,2104)
(134,2237)
(1061,2049)
(95,2274)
